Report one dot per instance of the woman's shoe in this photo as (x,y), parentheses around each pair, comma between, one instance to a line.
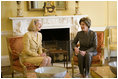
(81,76)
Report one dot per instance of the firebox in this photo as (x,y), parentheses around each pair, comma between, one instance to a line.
(56,39)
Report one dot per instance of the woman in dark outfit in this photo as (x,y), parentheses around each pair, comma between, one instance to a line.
(88,43)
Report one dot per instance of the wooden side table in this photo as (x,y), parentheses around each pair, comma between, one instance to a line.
(64,52)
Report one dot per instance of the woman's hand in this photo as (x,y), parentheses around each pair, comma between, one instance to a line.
(82,53)
(43,54)
(39,55)
(76,50)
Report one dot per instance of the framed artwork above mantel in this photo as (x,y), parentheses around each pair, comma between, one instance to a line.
(39,5)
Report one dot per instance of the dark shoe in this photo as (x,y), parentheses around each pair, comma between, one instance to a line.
(81,76)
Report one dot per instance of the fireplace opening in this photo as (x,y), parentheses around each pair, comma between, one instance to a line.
(56,39)
(55,34)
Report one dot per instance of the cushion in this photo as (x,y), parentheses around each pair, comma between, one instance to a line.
(18,68)
(96,58)
(100,40)
(29,66)
(75,58)
(16,63)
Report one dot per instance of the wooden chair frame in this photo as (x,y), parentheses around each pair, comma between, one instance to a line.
(11,61)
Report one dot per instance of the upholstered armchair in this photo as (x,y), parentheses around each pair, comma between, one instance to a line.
(112,40)
(15,46)
(96,60)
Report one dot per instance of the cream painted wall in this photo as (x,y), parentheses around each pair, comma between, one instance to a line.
(8,9)
(98,11)
(112,12)
(70,10)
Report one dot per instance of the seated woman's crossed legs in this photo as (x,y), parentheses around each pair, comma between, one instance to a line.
(39,61)
(46,61)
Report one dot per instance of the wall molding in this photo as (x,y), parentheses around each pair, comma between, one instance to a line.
(6,33)
(5,61)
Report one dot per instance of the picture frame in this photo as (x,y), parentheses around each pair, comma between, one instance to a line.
(61,5)
(39,5)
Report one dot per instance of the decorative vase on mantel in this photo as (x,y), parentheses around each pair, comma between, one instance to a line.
(19,9)
(77,8)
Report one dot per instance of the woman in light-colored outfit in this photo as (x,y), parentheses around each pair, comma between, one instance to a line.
(32,40)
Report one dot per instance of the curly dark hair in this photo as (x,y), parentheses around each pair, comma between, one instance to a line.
(86,20)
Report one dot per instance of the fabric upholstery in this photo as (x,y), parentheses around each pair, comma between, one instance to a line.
(16,46)
(100,44)
(29,66)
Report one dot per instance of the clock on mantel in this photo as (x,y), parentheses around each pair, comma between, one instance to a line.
(50,8)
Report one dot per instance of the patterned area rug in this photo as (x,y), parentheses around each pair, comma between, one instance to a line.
(6,72)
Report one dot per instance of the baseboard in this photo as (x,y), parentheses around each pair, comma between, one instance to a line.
(5,61)
(6,33)
(113,53)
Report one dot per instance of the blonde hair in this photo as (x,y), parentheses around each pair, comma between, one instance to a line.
(32,26)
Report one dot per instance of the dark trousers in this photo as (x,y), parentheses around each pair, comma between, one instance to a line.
(84,63)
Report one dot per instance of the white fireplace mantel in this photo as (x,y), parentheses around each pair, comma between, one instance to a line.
(20,24)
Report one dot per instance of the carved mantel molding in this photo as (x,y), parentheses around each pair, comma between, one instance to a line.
(20,24)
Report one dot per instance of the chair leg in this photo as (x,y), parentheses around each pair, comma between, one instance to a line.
(24,75)
(72,70)
(12,71)
(12,74)
(64,60)
(109,53)
(1,75)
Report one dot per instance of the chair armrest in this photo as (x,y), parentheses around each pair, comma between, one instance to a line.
(102,47)
(44,50)
(21,62)
(102,55)
(108,41)
(72,60)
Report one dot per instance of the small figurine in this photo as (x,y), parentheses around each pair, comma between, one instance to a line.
(77,8)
